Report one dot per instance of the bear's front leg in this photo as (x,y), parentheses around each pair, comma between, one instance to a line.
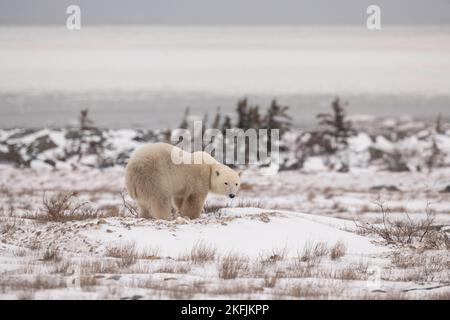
(193,205)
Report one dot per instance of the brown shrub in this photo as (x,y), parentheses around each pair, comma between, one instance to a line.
(129,208)
(407,231)
(63,207)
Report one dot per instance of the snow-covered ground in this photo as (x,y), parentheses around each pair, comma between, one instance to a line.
(290,235)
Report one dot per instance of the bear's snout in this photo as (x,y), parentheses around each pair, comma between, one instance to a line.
(231,195)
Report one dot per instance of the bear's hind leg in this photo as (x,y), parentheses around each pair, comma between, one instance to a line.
(143,211)
(161,209)
(193,205)
(178,203)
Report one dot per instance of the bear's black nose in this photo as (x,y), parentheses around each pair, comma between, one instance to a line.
(231,195)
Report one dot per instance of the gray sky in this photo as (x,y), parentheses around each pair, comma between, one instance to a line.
(228,12)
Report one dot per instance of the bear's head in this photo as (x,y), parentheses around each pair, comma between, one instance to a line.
(224,180)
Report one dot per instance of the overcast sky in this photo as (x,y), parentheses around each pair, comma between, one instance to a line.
(228,12)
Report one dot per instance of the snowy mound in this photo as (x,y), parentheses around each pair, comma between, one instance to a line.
(246,231)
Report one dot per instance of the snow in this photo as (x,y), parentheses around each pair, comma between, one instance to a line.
(381,143)
(360,143)
(245,235)
(443,143)
(314,164)
(269,225)
(40,165)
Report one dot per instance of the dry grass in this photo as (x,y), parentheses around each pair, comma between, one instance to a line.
(236,288)
(51,255)
(406,259)
(175,268)
(20,252)
(310,196)
(212,208)
(433,265)
(439,296)
(421,266)
(8,226)
(275,255)
(37,283)
(164,290)
(348,273)
(247,203)
(126,252)
(232,265)
(109,211)
(308,291)
(90,267)
(338,250)
(312,252)
(201,253)
(151,253)
(395,295)
(362,267)
(61,267)
(86,282)
(271,281)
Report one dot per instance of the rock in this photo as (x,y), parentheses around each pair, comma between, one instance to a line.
(50,162)
(40,145)
(385,187)
(12,155)
(101,221)
(22,133)
(180,220)
(289,164)
(314,164)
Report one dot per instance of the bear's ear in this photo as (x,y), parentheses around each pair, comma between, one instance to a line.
(217,173)
(239,173)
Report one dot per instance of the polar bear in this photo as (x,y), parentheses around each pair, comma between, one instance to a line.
(158,183)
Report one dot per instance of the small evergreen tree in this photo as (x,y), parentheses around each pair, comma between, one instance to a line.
(248,116)
(337,126)
(217,119)
(226,124)
(184,122)
(439,127)
(277,118)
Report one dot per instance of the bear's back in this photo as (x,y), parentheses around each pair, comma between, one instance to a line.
(155,154)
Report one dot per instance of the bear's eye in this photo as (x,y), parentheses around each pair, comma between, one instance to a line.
(226,183)
(236,184)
